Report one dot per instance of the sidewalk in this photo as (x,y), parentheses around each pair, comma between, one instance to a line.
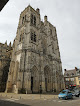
(28,96)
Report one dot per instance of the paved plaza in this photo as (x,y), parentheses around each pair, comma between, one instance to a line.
(36,100)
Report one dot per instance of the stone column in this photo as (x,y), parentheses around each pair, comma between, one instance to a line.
(27,82)
(43,82)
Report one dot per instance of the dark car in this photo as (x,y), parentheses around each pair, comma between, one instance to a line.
(75,92)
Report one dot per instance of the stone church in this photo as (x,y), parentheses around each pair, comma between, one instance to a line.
(36,58)
(5,58)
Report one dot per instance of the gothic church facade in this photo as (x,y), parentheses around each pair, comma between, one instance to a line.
(35,58)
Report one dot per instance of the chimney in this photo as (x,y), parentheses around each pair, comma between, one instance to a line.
(6,42)
(45,18)
(76,68)
(65,70)
(38,10)
(10,44)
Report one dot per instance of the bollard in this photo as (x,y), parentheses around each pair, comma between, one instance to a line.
(54,97)
(20,97)
(44,98)
(11,96)
(32,97)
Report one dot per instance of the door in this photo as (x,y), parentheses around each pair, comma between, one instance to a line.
(46,84)
(32,84)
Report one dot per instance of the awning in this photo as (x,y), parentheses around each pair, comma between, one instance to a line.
(74,85)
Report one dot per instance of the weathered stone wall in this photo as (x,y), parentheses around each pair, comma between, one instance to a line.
(38,60)
(5,57)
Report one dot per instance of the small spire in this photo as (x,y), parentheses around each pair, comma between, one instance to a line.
(29,5)
(45,18)
(6,42)
(10,44)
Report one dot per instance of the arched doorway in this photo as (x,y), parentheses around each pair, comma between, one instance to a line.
(48,79)
(34,80)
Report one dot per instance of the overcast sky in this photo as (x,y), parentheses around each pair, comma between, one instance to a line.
(63,14)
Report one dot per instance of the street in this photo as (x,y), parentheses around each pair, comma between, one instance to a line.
(4,101)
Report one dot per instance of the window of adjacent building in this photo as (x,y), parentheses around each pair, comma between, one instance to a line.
(33,36)
(72,74)
(7,50)
(78,72)
(72,79)
(67,79)
(67,74)
(78,78)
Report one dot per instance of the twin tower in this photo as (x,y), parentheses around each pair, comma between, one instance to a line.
(35,62)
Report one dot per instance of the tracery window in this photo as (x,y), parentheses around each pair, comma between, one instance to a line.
(33,20)
(33,36)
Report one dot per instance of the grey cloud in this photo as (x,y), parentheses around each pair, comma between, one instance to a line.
(64,14)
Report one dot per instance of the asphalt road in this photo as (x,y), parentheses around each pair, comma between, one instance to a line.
(8,103)
(44,102)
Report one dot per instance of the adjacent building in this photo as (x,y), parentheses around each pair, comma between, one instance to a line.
(72,78)
(35,58)
(5,58)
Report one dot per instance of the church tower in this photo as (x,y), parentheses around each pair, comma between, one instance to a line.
(36,58)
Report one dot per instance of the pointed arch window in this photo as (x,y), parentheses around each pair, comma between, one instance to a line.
(25,17)
(33,19)
(23,20)
(33,36)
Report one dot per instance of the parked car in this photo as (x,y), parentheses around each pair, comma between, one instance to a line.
(65,94)
(75,92)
